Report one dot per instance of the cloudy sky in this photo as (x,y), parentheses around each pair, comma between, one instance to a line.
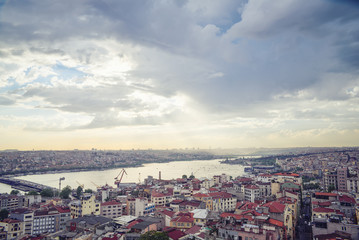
(128,74)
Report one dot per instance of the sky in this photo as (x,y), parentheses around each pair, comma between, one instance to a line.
(124,74)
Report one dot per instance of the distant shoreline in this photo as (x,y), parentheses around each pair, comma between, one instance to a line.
(11,175)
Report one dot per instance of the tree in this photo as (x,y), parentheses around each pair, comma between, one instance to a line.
(311,186)
(4,213)
(191,177)
(153,235)
(135,193)
(184,176)
(47,192)
(307,179)
(88,190)
(331,188)
(79,191)
(14,192)
(65,193)
(32,193)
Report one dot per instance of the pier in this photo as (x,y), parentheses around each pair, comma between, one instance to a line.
(24,185)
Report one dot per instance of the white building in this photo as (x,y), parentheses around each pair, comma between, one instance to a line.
(139,207)
(251,193)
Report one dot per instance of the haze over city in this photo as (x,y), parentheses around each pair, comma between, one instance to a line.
(176,74)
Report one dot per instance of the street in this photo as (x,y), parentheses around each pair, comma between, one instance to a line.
(304,230)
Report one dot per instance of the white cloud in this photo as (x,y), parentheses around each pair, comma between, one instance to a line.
(242,68)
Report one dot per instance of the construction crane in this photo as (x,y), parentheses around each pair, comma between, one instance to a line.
(61,179)
(118,181)
(95,184)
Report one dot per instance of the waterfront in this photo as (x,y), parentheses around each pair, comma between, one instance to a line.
(5,188)
(200,168)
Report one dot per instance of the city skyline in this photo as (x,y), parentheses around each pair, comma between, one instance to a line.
(178,74)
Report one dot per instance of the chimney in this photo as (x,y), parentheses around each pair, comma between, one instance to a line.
(159,175)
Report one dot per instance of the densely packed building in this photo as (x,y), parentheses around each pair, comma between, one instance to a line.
(258,205)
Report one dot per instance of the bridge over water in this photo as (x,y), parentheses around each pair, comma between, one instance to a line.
(24,185)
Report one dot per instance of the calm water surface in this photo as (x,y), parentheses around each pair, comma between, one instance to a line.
(171,170)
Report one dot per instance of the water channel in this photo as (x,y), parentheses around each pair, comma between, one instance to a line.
(171,170)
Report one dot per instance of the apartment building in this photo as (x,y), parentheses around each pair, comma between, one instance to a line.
(251,193)
(111,209)
(13,228)
(26,216)
(342,179)
(221,202)
(160,199)
(65,215)
(46,221)
(141,206)
(87,205)
(11,202)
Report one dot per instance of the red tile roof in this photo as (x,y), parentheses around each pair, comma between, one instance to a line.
(287,200)
(186,219)
(276,222)
(194,203)
(248,205)
(347,199)
(333,236)
(322,209)
(248,217)
(220,194)
(154,193)
(244,179)
(21,210)
(194,229)
(324,204)
(200,195)
(275,207)
(326,194)
(176,234)
(9,220)
(133,223)
(226,214)
(170,191)
(115,237)
(63,209)
(251,212)
(168,213)
(202,235)
(110,203)
(287,174)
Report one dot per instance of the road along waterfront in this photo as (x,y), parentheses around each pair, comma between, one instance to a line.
(170,170)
